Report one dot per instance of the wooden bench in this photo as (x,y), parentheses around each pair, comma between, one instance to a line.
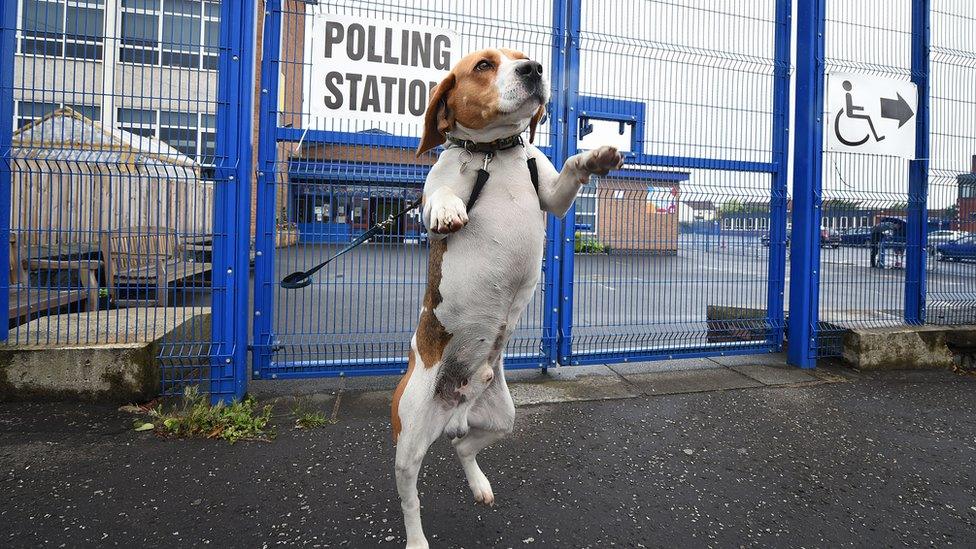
(146,258)
(26,302)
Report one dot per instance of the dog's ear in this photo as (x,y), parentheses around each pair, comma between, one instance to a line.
(535,122)
(438,119)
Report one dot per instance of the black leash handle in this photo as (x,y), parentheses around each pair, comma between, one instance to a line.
(300,279)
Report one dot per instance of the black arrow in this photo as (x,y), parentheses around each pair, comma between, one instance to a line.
(896,109)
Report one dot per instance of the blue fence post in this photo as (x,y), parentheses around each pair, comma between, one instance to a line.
(264,232)
(232,201)
(918,171)
(780,156)
(8,45)
(567,233)
(807,180)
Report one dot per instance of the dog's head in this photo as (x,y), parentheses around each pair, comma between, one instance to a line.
(488,95)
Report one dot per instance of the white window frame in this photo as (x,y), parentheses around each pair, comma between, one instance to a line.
(21,35)
(157,125)
(587,193)
(160,47)
(58,105)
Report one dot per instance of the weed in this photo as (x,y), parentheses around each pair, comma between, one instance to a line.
(195,417)
(307,417)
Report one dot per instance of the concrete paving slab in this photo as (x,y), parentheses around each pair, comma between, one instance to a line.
(651,366)
(774,375)
(580,388)
(769,359)
(691,381)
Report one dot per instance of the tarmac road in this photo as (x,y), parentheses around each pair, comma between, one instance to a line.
(877,461)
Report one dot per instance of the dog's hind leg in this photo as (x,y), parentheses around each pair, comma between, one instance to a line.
(490,419)
(421,419)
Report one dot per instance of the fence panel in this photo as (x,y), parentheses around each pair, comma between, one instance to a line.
(952,174)
(862,281)
(127,132)
(682,253)
(332,167)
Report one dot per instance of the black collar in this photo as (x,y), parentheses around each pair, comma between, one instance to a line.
(500,144)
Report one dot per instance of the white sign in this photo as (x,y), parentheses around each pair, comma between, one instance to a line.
(871,115)
(372,73)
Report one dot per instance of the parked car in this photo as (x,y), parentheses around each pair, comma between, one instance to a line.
(856,237)
(962,249)
(828,239)
(937,238)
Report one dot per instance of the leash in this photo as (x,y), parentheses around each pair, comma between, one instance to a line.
(300,279)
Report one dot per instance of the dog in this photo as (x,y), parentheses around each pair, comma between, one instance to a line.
(484,264)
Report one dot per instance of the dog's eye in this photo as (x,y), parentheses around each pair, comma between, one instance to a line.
(484,65)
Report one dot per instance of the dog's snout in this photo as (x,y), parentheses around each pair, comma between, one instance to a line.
(529,69)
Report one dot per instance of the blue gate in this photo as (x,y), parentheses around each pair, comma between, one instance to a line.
(624,272)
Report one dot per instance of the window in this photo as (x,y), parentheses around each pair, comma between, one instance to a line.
(194,135)
(843,222)
(586,211)
(30,111)
(864,221)
(174,33)
(63,28)
(139,122)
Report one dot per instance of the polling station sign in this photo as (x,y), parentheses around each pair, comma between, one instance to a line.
(364,73)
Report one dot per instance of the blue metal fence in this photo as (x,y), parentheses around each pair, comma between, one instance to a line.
(125,142)
(129,135)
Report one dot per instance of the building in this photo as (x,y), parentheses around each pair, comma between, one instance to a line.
(148,67)
(966,202)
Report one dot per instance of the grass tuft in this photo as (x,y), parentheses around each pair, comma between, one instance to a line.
(195,417)
(307,417)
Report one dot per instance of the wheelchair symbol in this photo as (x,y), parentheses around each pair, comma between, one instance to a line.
(852,112)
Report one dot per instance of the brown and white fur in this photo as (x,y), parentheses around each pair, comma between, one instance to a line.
(484,265)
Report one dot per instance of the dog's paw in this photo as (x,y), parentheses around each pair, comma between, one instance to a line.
(602,160)
(447,213)
(417,544)
(481,489)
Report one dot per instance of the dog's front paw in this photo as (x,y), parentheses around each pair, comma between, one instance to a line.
(602,160)
(447,213)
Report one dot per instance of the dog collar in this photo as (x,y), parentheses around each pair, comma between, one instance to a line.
(500,144)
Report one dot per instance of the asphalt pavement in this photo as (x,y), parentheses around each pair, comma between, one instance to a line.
(365,306)
(840,459)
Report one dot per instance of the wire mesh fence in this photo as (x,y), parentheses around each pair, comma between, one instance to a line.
(951,290)
(113,165)
(684,262)
(127,157)
(331,177)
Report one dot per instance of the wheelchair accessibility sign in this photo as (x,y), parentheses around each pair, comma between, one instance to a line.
(871,115)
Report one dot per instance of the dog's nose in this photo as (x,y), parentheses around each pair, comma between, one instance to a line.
(529,69)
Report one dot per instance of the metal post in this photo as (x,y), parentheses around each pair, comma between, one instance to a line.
(8,45)
(918,171)
(232,220)
(780,149)
(267,165)
(567,231)
(807,179)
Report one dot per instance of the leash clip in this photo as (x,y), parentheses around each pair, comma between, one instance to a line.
(463,158)
(488,158)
